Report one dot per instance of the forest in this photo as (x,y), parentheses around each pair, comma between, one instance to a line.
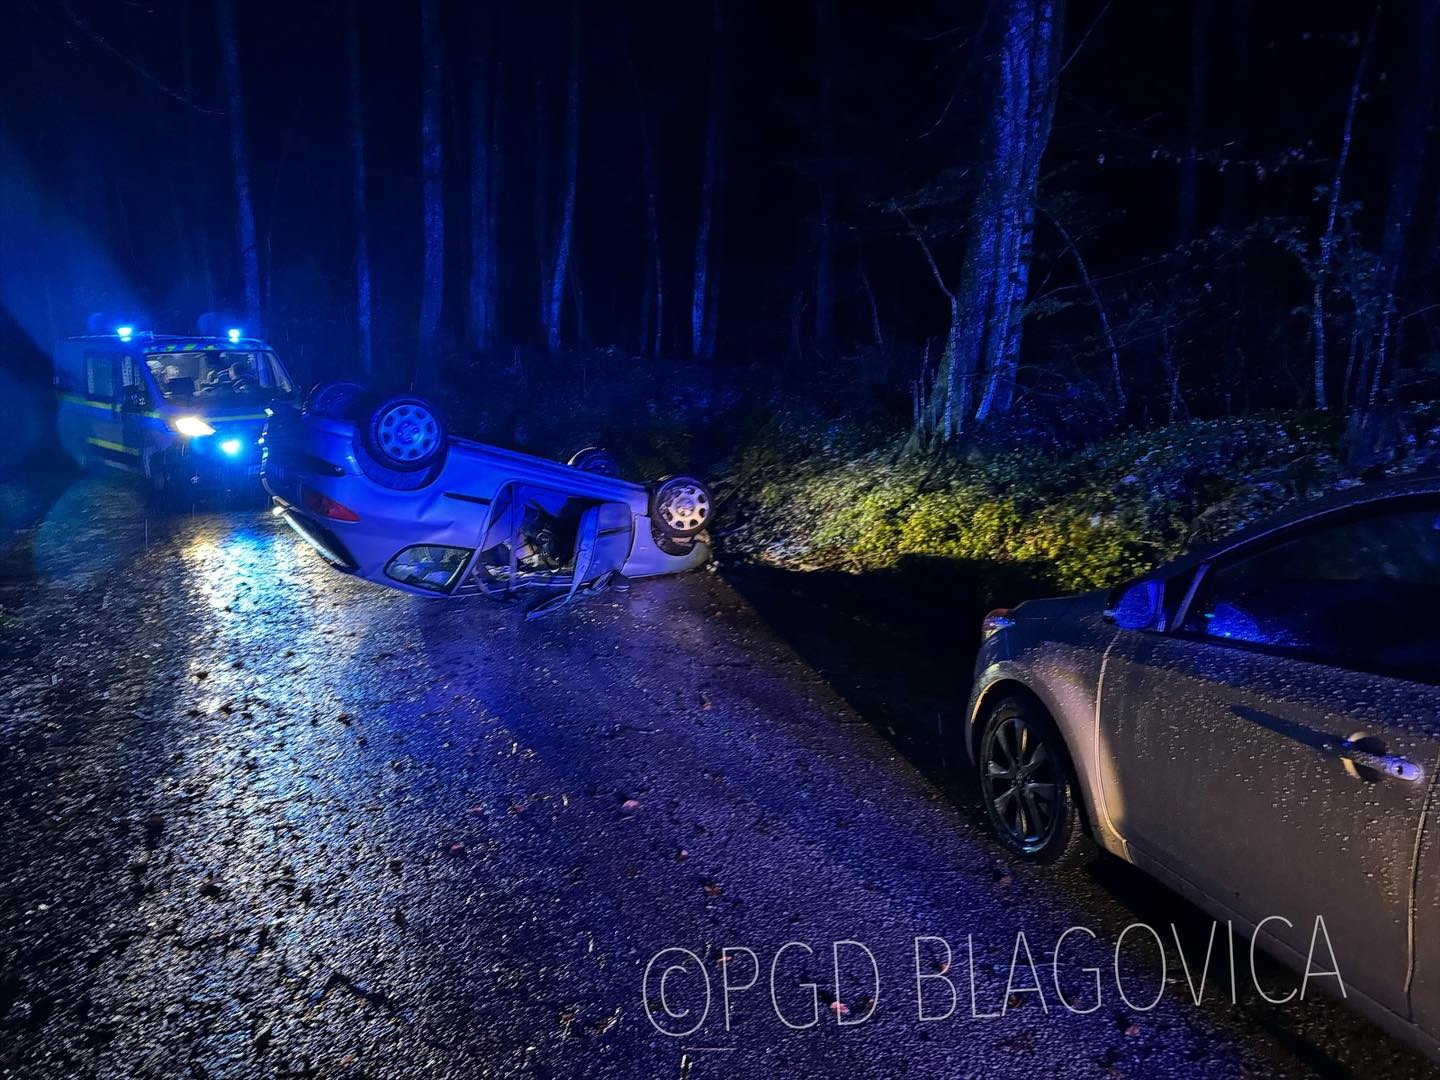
(1061,283)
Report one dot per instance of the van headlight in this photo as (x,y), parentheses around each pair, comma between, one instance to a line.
(193,426)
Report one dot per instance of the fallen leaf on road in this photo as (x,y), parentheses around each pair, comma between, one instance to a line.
(601,1026)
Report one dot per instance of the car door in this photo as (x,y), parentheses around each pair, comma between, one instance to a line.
(1276,749)
(138,421)
(105,435)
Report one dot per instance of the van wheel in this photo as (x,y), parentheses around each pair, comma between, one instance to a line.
(159,485)
(1028,785)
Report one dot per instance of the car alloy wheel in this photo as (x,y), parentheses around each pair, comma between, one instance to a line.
(681,506)
(1023,782)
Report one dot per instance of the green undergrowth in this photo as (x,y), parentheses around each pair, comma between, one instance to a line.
(1078,520)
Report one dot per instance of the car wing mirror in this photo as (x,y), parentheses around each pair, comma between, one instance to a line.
(1137,605)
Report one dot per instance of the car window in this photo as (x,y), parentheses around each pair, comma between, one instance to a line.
(100,376)
(220,374)
(1360,594)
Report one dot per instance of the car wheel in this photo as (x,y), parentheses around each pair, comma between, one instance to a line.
(595,459)
(159,484)
(680,506)
(1028,786)
(334,400)
(405,433)
(671,545)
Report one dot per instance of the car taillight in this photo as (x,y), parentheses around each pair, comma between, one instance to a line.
(326,507)
(997,620)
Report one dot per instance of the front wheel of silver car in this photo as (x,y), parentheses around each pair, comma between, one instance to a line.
(1028,786)
(680,506)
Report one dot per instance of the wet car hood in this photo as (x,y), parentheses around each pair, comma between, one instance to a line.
(1063,607)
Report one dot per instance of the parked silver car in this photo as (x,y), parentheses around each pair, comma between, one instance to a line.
(379,488)
(1258,726)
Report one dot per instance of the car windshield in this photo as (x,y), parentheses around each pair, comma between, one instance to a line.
(216,373)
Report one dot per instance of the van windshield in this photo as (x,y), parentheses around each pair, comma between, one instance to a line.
(215,373)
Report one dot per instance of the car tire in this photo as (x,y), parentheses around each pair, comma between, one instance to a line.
(159,484)
(1028,787)
(680,506)
(404,432)
(404,474)
(671,545)
(595,459)
(334,400)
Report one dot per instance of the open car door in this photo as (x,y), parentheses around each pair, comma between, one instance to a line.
(587,537)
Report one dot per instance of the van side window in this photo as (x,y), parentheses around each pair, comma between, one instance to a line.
(100,376)
(1358,594)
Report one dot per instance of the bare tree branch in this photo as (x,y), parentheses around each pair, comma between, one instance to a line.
(104,46)
(925,247)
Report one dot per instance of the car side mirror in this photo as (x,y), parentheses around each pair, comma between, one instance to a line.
(1136,605)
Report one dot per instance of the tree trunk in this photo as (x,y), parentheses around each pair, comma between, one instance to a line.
(540,199)
(1416,104)
(652,331)
(195,140)
(240,162)
(1116,382)
(560,266)
(364,345)
(825,238)
(481,309)
(997,274)
(704,301)
(1237,20)
(1188,195)
(1332,207)
(432,194)
(877,335)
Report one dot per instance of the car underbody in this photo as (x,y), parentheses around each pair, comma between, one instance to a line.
(400,503)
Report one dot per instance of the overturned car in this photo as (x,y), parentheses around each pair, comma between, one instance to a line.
(381,490)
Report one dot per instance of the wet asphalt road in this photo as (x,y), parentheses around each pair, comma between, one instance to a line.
(264,820)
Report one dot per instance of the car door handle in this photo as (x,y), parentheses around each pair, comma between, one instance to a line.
(1349,750)
(1391,765)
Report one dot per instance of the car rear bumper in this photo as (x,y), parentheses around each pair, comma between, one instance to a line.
(310,470)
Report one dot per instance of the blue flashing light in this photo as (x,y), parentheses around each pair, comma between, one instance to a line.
(231,447)
(233,334)
(125,333)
